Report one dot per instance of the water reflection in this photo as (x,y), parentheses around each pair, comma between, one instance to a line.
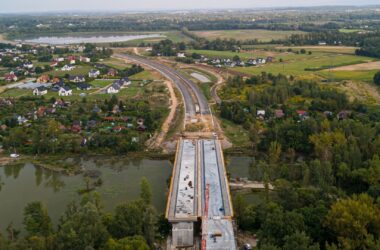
(120,179)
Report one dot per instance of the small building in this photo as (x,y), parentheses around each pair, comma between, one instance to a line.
(77,78)
(113,89)
(67,68)
(71,59)
(94,73)
(28,65)
(279,113)
(43,79)
(261,113)
(40,91)
(181,55)
(84,86)
(112,72)
(84,59)
(10,77)
(65,91)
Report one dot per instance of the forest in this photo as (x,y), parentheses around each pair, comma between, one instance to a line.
(322,155)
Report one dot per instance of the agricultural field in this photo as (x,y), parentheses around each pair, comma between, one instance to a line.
(261,35)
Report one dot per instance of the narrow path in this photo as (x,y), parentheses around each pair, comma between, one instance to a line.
(169,119)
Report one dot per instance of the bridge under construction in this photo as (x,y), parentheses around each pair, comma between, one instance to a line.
(199,203)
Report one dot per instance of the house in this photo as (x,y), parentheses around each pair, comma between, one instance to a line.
(123,82)
(76,128)
(302,114)
(71,59)
(10,77)
(76,79)
(114,89)
(28,65)
(65,91)
(43,79)
(252,62)
(67,68)
(322,43)
(112,72)
(84,59)
(261,114)
(279,113)
(343,115)
(94,73)
(56,80)
(40,91)
(270,59)
(83,86)
(54,64)
(60,59)
(181,55)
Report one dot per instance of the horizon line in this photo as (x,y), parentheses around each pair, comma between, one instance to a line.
(184,9)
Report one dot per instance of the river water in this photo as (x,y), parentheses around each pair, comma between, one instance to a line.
(62,40)
(121,178)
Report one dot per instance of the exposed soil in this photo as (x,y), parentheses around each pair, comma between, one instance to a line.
(358,67)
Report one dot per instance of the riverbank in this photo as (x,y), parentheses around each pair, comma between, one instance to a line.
(68,164)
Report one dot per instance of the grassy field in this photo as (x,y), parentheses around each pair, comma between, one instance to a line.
(350,30)
(298,65)
(261,35)
(348,75)
(328,49)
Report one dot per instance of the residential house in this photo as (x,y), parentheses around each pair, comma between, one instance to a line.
(112,72)
(84,59)
(252,62)
(123,82)
(28,65)
(343,115)
(10,77)
(77,78)
(54,64)
(71,59)
(65,91)
(67,68)
(260,114)
(43,79)
(60,59)
(113,89)
(83,86)
(94,73)
(40,91)
(279,113)
(181,55)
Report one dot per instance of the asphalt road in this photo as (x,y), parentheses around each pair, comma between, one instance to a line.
(191,94)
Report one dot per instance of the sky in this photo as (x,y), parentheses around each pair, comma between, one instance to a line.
(133,5)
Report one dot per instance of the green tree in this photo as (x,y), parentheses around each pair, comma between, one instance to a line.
(355,221)
(274,152)
(127,221)
(82,227)
(36,220)
(146,191)
(376,78)
(299,241)
(128,243)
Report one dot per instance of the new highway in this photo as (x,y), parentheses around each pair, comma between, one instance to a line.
(192,95)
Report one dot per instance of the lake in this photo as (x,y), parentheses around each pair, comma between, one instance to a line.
(62,40)
(121,183)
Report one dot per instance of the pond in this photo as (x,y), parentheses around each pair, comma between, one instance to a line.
(121,183)
(61,40)
(121,178)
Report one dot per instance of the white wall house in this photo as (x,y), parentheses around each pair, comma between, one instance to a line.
(65,91)
(40,91)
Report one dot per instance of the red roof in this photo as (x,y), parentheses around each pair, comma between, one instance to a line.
(301,112)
